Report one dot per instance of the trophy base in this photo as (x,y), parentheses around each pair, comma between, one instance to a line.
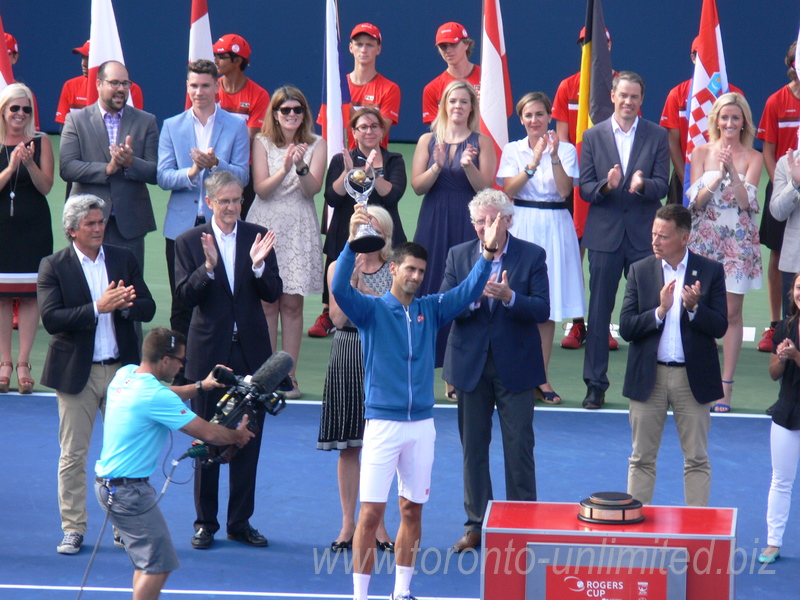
(367,244)
(611,508)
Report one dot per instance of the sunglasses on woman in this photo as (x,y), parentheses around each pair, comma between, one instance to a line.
(285,110)
(26,109)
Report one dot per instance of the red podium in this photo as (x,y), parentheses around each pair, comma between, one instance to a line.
(540,550)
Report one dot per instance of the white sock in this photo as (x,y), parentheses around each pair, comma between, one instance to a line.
(402,580)
(360,586)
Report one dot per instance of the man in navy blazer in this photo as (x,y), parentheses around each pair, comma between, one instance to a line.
(674,308)
(90,295)
(224,270)
(494,357)
(192,146)
(109,149)
(624,172)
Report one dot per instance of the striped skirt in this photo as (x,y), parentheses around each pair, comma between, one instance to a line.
(341,423)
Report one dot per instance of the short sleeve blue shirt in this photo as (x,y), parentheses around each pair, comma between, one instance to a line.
(140,411)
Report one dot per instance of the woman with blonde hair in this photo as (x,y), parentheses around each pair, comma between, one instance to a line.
(288,166)
(722,197)
(26,177)
(451,164)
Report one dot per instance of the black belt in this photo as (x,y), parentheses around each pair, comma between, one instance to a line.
(121,480)
(671,364)
(106,362)
(537,204)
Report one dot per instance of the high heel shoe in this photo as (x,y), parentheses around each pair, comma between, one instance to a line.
(5,382)
(342,546)
(24,384)
(385,546)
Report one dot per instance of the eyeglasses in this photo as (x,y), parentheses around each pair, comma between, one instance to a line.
(15,107)
(366,128)
(181,359)
(224,56)
(285,110)
(226,202)
(482,222)
(114,83)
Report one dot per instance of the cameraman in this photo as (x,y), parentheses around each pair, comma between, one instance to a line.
(139,413)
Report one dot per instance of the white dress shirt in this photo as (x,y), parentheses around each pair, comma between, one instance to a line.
(105,336)
(624,141)
(670,347)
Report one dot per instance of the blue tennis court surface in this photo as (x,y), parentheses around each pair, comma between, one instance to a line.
(297,508)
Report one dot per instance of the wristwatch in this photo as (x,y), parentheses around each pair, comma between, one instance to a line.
(199,386)
(303,171)
(529,172)
(556,162)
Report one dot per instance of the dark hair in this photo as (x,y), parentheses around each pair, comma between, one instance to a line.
(202,67)
(678,214)
(789,60)
(243,64)
(628,76)
(366,110)
(535,97)
(412,249)
(794,311)
(161,342)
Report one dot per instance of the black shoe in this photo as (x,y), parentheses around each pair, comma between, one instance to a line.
(203,539)
(771,409)
(249,536)
(595,398)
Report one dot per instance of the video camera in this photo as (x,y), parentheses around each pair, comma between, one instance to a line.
(251,395)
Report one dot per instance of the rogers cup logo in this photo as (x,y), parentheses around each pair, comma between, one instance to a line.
(574,584)
(642,585)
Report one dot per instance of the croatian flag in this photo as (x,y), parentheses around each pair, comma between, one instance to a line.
(6,73)
(496,101)
(105,45)
(335,107)
(709,82)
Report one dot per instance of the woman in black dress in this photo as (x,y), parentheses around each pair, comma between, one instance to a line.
(26,176)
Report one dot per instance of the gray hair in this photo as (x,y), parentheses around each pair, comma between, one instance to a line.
(491,197)
(218,180)
(76,209)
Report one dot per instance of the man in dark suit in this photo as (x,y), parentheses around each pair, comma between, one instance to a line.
(674,308)
(224,270)
(110,149)
(494,357)
(89,295)
(624,171)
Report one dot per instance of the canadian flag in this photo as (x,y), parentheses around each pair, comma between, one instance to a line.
(6,73)
(105,45)
(495,103)
(335,91)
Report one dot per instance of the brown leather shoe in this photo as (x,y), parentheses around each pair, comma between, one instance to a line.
(470,540)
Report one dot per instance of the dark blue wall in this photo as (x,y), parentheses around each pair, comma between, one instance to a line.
(650,37)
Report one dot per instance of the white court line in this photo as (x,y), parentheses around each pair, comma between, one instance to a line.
(73,588)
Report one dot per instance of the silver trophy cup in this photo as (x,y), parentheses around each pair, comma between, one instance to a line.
(359,183)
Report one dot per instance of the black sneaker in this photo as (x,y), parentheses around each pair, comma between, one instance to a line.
(71,544)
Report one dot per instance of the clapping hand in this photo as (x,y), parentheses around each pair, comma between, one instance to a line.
(691,296)
(469,155)
(637,182)
(24,154)
(261,247)
(614,177)
(787,351)
(793,162)
(122,154)
(439,152)
(117,296)
(210,251)
(499,290)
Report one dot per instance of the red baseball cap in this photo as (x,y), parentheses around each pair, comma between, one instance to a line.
(367,28)
(82,50)
(451,33)
(230,42)
(583,34)
(11,44)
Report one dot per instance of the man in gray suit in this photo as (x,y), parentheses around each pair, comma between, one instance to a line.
(624,173)
(674,308)
(110,149)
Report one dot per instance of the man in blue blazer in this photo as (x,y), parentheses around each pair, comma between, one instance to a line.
(192,146)
(674,308)
(624,176)
(494,357)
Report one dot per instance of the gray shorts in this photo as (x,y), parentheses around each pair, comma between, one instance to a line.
(145,534)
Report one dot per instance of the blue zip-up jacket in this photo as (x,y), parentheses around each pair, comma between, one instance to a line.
(399,343)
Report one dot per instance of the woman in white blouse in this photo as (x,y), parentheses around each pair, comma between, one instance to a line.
(538,172)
